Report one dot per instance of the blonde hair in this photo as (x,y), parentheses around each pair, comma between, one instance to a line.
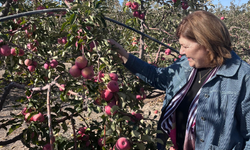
(206,29)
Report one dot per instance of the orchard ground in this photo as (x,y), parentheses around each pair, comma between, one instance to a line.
(150,105)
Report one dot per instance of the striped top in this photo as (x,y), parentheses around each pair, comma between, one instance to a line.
(168,117)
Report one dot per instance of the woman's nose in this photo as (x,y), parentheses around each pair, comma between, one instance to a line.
(182,51)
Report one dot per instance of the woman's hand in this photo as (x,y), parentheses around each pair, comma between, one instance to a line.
(119,49)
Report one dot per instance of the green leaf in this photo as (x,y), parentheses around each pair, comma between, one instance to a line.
(113,127)
(64,25)
(158,140)
(146,138)
(122,95)
(141,146)
(109,132)
(114,108)
(134,133)
(13,128)
(72,18)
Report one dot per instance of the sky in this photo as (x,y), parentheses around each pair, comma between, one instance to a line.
(227,2)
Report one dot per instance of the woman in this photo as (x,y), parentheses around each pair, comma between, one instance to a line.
(207,102)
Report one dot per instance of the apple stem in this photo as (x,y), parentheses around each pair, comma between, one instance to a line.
(49,117)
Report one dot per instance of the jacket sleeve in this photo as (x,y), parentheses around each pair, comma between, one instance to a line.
(244,112)
(154,76)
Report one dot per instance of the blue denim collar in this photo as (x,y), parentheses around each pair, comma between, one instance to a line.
(230,66)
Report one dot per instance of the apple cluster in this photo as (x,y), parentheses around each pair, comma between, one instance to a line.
(134,6)
(31,65)
(81,68)
(5,50)
(83,136)
(52,64)
(37,117)
(108,94)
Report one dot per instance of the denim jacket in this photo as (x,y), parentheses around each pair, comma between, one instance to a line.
(223,112)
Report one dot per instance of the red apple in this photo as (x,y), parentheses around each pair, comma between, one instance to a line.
(184,5)
(5,50)
(156,111)
(109,107)
(30,46)
(75,71)
(142,16)
(38,117)
(53,63)
(123,144)
(168,51)
(138,97)
(47,147)
(59,40)
(98,101)
(136,14)
(31,68)
(34,63)
(27,62)
(64,40)
(134,6)
(82,130)
(13,51)
(46,66)
(128,4)
(85,137)
(113,76)
(81,62)
(88,72)
(106,95)
(21,52)
(100,141)
(113,86)
(138,116)
(222,18)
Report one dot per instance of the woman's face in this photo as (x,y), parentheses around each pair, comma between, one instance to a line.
(197,54)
